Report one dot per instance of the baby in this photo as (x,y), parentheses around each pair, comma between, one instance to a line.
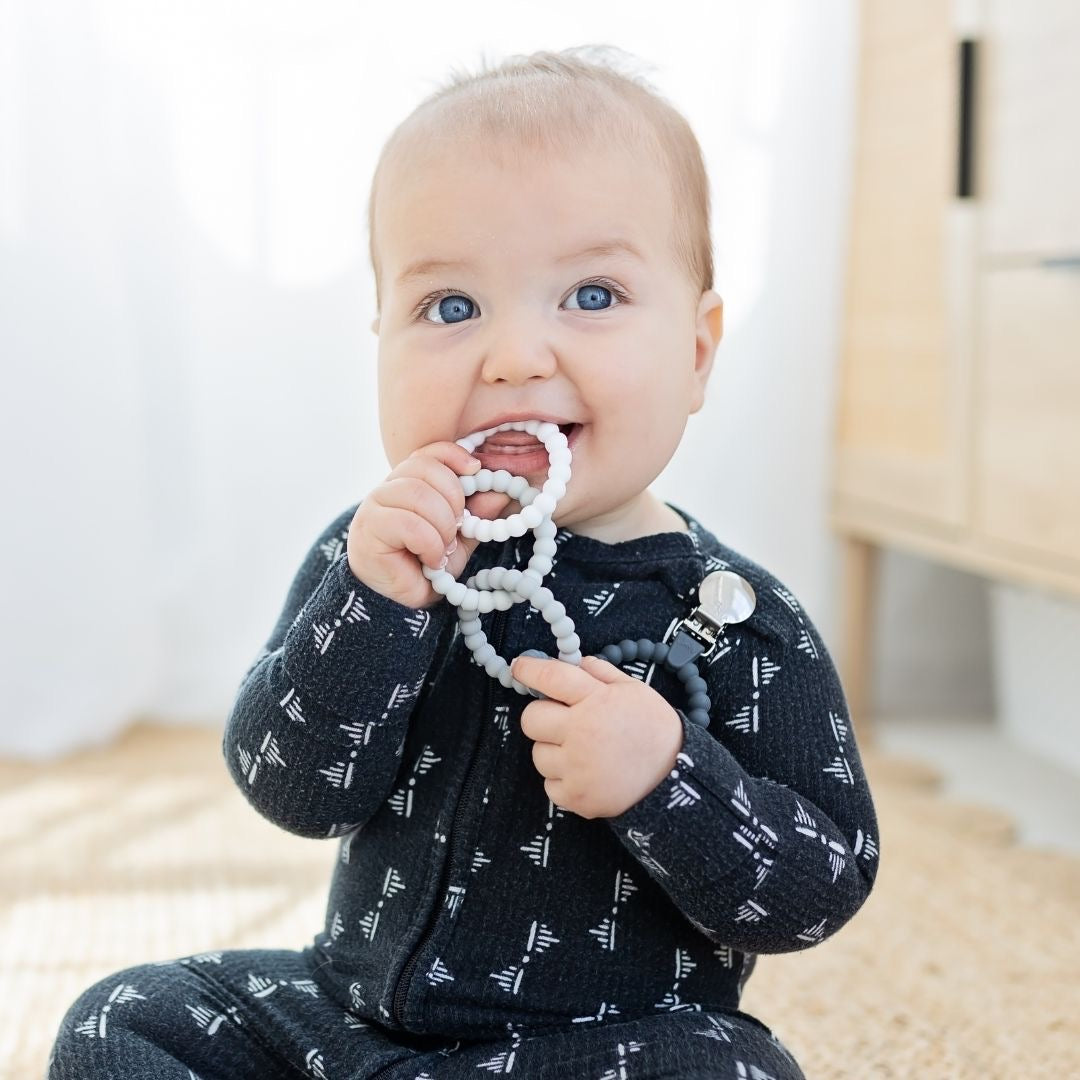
(573,886)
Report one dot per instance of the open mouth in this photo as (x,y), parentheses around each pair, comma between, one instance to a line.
(524,460)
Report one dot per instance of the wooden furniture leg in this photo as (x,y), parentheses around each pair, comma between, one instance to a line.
(859,564)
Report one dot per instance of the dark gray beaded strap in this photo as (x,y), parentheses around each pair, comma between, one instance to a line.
(626,652)
(697,701)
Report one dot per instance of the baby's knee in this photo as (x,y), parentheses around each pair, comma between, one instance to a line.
(99,1018)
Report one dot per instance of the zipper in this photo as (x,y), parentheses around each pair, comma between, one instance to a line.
(400,991)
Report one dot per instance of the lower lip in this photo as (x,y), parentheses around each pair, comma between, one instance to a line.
(521,463)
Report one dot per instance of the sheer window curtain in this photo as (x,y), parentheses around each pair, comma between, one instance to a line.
(186,308)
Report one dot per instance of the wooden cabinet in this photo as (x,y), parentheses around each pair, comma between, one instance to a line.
(957,428)
(1026,464)
(899,392)
(1030,99)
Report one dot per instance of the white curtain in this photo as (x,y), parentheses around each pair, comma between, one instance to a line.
(189,391)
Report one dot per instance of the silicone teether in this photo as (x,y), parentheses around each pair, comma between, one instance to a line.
(500,587)
(726,597)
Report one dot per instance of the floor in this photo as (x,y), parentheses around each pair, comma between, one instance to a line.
(978,763)
(145,850)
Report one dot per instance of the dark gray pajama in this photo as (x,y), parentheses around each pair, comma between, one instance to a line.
(472,925)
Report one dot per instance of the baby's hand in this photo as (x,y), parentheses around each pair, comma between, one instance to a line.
(603,739)
(411,517)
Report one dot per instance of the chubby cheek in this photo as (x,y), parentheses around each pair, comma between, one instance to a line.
(411,415)
(625,406)
(392,424)
(633,423)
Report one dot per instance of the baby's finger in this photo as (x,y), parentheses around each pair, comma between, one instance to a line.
(399,527)
(488,504)
(416,494)
(443,481)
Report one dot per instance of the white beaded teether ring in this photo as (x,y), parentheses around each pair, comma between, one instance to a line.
(543,507)
(501,587)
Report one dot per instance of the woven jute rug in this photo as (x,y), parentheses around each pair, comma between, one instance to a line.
(964,962)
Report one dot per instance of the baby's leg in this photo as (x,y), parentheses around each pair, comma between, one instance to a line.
(158,1020)
(688,1044)
(231,1015)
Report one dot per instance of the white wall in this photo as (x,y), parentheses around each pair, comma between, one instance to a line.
(186,303)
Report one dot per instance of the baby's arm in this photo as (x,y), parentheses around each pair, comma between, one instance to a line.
(766,839)
(314,736)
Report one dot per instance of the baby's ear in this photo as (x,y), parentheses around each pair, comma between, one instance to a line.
(711,310)
(375,325)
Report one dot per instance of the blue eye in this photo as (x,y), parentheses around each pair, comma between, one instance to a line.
(593,294)
(451,306)
(455,308)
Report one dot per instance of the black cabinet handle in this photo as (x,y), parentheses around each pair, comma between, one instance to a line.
(965,180)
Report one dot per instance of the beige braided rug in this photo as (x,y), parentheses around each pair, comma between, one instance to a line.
(964,962)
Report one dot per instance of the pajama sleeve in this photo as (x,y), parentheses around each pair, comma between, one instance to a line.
(314,737)
(764,833)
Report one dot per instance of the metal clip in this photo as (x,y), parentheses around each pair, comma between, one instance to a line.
(729,598)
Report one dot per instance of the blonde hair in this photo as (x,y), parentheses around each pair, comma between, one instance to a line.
(558,101)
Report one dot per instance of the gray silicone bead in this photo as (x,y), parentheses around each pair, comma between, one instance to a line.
(527,586)
(554,612)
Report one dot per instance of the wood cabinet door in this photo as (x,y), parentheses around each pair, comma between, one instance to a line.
(1027,388)
(1030,142)
(901,425)
(1027,449)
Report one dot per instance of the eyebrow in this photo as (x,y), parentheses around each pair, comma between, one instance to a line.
(613,248)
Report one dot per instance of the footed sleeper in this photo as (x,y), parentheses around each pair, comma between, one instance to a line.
(472,925)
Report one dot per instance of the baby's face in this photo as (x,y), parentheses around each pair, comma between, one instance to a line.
(528,322)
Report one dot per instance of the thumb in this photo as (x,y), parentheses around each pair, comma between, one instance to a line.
(601,669)
(488,504)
